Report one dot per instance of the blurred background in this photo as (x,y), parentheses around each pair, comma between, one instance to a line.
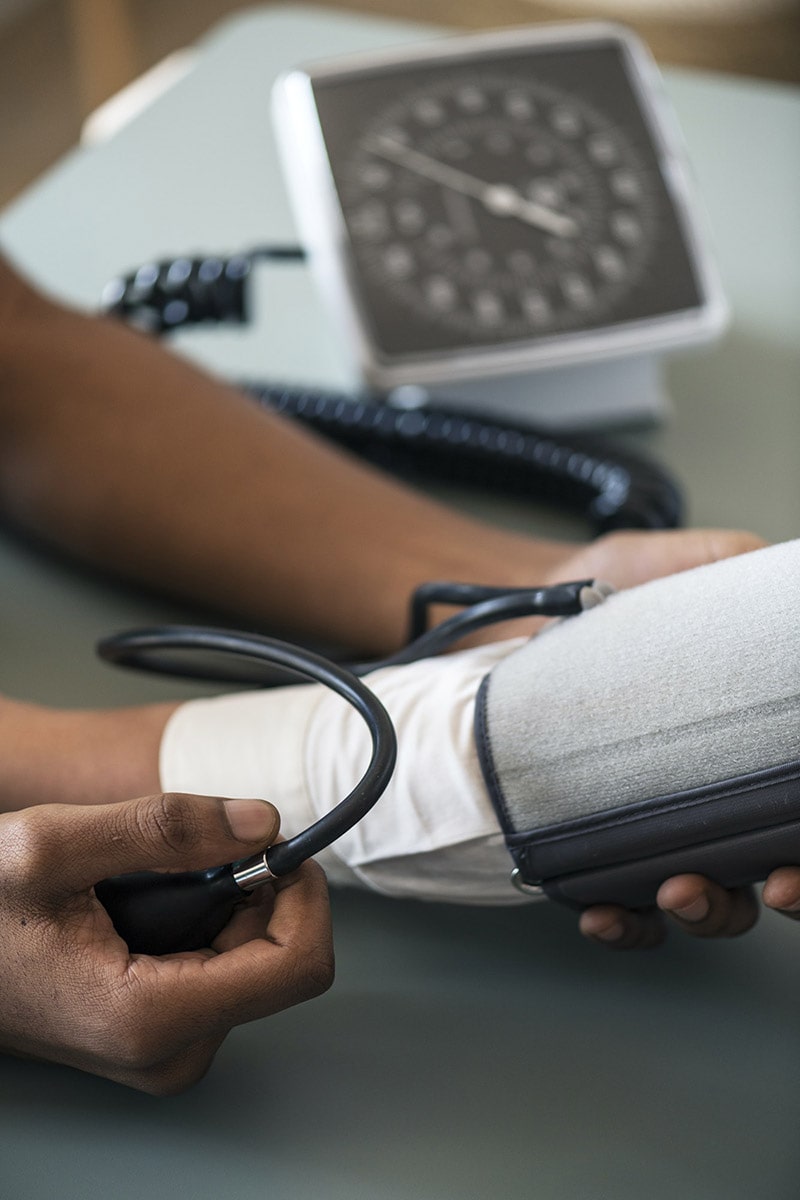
(60,59)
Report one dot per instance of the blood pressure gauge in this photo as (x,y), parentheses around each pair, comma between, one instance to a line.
(497,204)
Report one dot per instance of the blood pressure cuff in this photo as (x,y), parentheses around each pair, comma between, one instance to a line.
(654,735)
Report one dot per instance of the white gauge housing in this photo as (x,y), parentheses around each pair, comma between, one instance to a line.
(673,297)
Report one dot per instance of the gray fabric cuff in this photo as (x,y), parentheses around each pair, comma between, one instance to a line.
(632,716)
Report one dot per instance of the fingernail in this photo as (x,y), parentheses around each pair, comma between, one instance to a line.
(698,910)
(612,933)
(250,820)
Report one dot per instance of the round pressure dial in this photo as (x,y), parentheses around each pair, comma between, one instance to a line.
(499,207)
(492,203)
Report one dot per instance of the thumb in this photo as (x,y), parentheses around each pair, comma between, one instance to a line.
(171,830)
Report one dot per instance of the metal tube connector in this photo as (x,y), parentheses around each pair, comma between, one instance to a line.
(250,873)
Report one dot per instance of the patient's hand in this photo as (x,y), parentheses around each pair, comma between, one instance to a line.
(697,906)
(693,903)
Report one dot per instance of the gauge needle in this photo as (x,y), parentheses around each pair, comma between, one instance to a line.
(500,199)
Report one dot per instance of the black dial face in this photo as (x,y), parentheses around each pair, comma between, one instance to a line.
(489,204)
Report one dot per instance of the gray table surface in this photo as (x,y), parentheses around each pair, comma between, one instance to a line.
(463,1053)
